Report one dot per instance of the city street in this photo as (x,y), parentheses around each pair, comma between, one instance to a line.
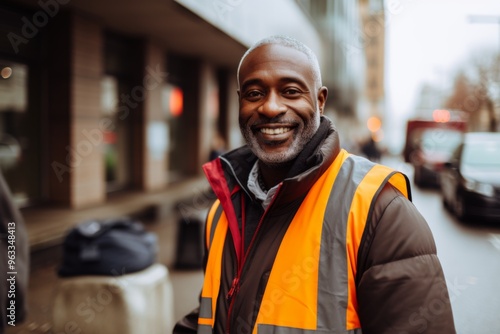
(112,109)
(470,256)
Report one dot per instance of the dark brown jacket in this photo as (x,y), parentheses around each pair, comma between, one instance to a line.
(400,284)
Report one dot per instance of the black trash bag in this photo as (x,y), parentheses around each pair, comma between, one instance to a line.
(112,247)
(189,254)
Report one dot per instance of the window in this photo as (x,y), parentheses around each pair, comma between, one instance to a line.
(116,137)
(181,105)
(120,106)
(173,107)
(19,135)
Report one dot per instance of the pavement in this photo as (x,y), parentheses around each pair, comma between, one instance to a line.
(44,281)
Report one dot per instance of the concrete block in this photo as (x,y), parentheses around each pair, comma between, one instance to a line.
(136,303)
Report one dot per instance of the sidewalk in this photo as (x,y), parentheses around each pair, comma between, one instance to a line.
(44,280)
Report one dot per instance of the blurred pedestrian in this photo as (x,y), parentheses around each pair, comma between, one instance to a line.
(370,150)
(14,260)
(305,237)
(218,147)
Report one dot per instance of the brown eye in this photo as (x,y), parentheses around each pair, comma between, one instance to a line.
(292,92)
(253,95)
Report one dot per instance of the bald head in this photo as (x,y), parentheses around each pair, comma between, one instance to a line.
(291,43)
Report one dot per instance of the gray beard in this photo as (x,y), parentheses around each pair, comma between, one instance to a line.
(300,139)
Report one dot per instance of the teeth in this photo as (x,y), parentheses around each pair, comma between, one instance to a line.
(277,131)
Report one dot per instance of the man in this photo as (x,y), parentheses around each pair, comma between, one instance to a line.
(305,237)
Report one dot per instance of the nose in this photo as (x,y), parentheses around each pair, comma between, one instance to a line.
(272,105)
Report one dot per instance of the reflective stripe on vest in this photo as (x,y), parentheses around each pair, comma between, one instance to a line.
(216,234)
(311,288)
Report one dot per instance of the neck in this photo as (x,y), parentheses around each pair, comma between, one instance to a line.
(273,174)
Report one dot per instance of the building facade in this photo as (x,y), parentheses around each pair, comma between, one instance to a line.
(355,36)
(105,103)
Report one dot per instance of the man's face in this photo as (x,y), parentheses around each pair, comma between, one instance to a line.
(280,103)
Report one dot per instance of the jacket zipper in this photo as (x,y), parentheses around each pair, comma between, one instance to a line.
(233,291)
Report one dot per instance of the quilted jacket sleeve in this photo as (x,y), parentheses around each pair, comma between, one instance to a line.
(400,284)
(188,324)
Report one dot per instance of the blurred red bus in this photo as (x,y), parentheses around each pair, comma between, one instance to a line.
(429,144)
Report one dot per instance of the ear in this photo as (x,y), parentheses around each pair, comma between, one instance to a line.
(322,96)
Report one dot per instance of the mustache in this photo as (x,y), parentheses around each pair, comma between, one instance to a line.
(274,121)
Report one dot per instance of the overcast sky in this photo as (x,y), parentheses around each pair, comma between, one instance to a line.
(428,40)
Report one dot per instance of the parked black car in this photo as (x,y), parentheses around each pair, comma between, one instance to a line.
(470,181)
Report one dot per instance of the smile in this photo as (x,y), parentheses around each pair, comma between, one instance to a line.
(274,131)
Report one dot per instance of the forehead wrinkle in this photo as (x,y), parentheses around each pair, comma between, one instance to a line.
(272,53)
(276,57)
(285,73)
(262,81)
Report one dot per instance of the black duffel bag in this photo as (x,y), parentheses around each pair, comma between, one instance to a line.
(112,247)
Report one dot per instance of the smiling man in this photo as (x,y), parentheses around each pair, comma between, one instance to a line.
(281,99)
(305,237)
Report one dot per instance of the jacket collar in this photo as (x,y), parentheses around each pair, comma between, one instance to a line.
(235,167)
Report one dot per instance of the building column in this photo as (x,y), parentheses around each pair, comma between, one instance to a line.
(235,139)
(75,131)
(208,111)
(155,144)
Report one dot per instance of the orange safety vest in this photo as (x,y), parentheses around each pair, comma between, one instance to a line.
(311,287)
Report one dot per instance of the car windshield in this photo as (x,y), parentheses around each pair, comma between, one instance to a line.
(482,153)
(440,140)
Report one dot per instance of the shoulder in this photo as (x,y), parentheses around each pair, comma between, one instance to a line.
(396,230)
(398,271)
